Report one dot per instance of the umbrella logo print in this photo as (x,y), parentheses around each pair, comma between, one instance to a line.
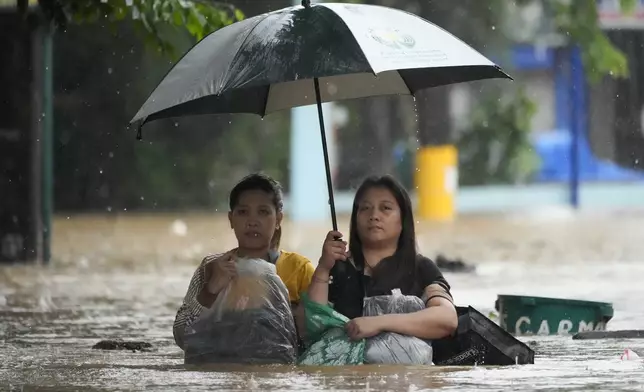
(392,38)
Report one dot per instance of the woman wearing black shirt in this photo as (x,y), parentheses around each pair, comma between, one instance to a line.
(382,256)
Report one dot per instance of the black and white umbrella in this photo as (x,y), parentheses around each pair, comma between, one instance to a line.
(311,54)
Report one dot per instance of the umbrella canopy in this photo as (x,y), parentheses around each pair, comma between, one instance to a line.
(267,63)
(311,54)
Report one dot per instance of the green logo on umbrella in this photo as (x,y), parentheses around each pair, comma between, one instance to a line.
(392,38)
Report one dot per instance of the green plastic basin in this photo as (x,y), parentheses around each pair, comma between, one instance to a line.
(527,315)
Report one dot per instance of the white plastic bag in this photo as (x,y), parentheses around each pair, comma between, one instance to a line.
(250,322)
(390,347)
(629,355)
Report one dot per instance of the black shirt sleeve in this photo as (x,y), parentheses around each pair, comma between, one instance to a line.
(429,274)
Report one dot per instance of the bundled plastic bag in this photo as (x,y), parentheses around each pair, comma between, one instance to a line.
(390,347)
(328,343)
(251,321)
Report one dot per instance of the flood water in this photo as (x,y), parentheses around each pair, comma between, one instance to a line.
(123,276)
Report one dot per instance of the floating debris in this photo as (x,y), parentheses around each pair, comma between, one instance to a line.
(453,265)
(625,334)
(119,344)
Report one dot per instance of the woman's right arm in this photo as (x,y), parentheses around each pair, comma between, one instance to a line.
(319,287)
(195,301)
(318,290)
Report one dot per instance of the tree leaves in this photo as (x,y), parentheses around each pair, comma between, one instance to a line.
(579,21)
(198,17)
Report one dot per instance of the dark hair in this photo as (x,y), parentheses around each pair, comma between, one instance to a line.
(398,270)
(260,182)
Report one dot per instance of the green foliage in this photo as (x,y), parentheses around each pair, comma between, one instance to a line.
(199,18)
(495,149)
(579,21)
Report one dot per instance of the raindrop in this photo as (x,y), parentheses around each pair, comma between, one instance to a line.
(111,154)
(67,218)
(176,124)
(110,70)
(100,171)
(179,228)
(142,198)
(109,209)
(493,27)
(125,209)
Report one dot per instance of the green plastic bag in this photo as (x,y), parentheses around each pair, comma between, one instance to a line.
(326,340)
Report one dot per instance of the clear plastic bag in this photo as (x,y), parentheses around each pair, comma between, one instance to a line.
(390,347)
(251,321)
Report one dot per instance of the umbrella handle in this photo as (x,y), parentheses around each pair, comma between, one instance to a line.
(325,150)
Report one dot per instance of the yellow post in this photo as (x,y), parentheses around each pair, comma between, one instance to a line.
(436,181)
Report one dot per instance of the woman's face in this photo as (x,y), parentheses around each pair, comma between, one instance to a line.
(379,219)
(254,220)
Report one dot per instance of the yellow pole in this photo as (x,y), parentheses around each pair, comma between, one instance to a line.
(436,180)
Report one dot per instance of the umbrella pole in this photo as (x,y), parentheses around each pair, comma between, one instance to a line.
(327,165)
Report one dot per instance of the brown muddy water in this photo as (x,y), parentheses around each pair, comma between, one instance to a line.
(123,276)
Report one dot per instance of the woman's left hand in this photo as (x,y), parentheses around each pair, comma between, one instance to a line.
(363,327)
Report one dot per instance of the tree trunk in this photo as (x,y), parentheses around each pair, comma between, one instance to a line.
(434,125)
(378,128)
